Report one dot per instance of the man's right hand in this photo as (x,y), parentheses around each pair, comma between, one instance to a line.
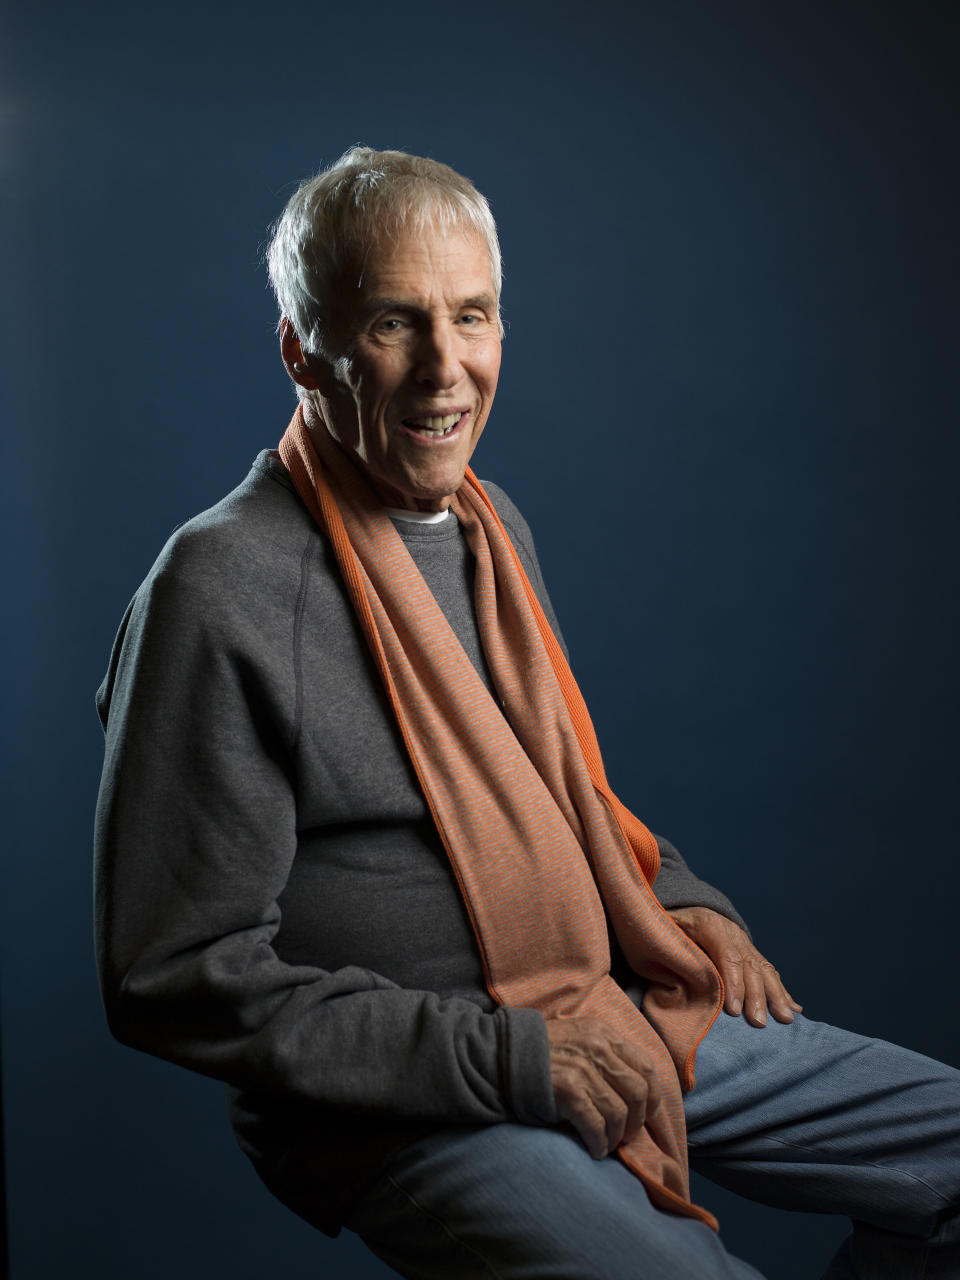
(604,1085)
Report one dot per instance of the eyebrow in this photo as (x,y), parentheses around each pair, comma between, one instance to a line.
(484,301)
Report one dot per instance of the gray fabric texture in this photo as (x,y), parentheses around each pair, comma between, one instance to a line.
(273,905)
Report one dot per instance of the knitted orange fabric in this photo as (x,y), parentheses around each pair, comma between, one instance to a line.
(538,842)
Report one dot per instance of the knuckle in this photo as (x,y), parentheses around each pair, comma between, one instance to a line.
(565,1079)
(617,1112)
(637,1101)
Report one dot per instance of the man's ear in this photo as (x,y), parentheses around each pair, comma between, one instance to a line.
(299,366)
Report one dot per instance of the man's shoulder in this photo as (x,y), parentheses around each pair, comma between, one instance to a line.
(257,525)
(227,582)
(261,517)
(245,547)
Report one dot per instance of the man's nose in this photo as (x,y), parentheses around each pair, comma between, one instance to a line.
(438,361)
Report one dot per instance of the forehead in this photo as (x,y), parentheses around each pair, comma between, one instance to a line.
(424,266)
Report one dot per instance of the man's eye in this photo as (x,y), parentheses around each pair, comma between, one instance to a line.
(470,318)
(390,324)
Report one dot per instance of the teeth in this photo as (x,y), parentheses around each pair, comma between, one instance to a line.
(435,426)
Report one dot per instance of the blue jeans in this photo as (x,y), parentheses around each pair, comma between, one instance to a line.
(801,1116)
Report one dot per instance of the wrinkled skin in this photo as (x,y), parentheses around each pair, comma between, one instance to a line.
(606,1086)
(751,983)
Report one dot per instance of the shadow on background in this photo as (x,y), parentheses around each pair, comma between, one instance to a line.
(728,410)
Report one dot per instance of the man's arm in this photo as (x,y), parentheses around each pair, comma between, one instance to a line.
(196,833)
(677,886)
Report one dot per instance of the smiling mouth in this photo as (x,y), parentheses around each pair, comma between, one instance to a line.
(434,426)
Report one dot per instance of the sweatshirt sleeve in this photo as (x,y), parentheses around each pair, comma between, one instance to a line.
(196,831)
(675,885)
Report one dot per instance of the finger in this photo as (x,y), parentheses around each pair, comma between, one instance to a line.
(631,1081)
(730,966)
(641,1095)
(631,1072)
(654,1091)
(779,1000)
(755,991)
(595,1110)
(616,1113)
(589,1124)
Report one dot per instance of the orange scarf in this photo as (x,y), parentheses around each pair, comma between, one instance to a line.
(536,838)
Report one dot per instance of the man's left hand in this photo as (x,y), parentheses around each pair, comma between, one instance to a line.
(751,983)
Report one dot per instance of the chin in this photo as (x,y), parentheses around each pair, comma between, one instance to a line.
(438,493)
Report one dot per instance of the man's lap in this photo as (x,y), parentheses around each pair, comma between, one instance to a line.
(801,1115)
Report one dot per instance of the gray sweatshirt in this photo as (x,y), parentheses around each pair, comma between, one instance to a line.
(274,907)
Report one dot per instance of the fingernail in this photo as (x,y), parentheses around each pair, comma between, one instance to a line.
(735,1007)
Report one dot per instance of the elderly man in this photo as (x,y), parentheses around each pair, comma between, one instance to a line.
(357,856)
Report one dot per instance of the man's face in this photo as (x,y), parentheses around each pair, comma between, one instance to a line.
(411,396)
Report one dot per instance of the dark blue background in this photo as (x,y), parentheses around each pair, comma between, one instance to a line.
(728,408)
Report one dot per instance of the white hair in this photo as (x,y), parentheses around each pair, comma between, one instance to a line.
(335,219)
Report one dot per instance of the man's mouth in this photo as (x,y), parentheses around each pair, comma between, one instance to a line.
(433,425)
